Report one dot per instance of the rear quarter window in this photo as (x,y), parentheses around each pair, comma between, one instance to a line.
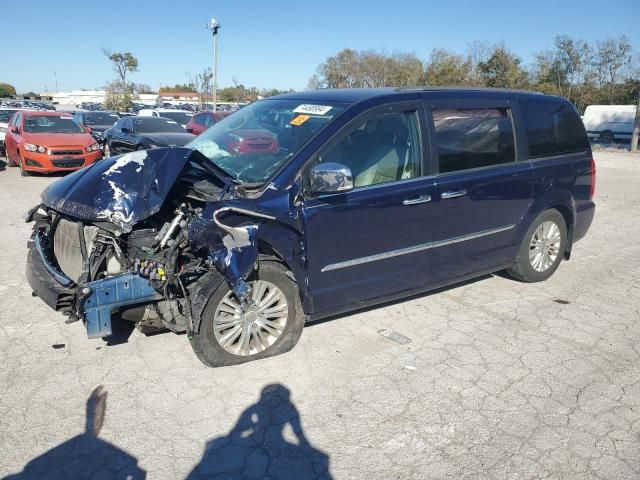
(553,128)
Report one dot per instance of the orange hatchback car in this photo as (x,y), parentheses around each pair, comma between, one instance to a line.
(49,142)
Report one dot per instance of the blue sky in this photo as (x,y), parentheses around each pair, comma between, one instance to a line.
(274,43)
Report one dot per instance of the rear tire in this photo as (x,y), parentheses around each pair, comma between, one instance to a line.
(206,345)
(607,137)
(542,248)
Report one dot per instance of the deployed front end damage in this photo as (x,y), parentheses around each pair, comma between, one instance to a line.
(149,234)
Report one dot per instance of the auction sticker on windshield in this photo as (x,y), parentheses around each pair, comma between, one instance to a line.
(299,120)
(312,109)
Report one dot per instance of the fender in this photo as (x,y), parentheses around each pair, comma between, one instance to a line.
(561,200)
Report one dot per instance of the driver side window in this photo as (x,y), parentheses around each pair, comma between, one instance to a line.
(380,150)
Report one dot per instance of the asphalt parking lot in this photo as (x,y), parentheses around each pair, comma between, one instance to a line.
(500,379)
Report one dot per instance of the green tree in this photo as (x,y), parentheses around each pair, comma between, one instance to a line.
(181,87)
(503,70)
(7,90)
(447,68)
(119,93)
(612,58)
(118,96)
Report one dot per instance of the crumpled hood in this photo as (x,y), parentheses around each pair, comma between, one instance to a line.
(170,138)
(124,189)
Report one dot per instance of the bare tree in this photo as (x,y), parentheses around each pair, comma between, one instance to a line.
(611,58)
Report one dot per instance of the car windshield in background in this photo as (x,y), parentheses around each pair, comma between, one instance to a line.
(51,124)
(181,117)
(100,118)
(156,125)
(5,115)
(255,141)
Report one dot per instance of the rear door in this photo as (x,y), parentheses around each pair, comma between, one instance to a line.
(372,241)
(482,190)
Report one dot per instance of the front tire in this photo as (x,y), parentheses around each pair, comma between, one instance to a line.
(229,335)
(23,172)
(542,248)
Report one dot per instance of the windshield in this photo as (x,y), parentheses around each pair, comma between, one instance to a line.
(100,118)
(181,117)
(156,125)
(252,143)
(51,124)
(5,115)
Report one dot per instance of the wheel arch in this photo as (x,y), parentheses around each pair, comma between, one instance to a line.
(560,200)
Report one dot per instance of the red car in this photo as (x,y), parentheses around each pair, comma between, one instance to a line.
(203,120)
(49,142)
(251,140)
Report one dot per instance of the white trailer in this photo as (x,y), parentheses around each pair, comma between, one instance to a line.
(609,122)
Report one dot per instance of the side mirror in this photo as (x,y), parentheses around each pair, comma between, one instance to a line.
(15,130)
(330,177)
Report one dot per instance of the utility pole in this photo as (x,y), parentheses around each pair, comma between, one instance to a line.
(214,26)
(636,128)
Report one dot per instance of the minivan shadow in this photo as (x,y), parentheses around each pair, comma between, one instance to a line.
(401,300)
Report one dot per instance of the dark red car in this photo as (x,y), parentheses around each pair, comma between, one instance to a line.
(203,120)
(251,140)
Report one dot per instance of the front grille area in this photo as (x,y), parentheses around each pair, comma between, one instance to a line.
(66,152)
(68,163)
(66,248)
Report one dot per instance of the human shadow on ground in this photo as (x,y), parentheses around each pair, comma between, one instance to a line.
(84,456)
(267,442)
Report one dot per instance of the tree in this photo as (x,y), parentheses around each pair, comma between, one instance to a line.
(352,69)
(118,96)
(123,63)
(503,70)
(611,58)
(7,90)
(202,83)
(141,88)
(119,92)
(447,68)
(180,87)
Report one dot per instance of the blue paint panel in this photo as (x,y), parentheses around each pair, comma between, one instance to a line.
(108,294)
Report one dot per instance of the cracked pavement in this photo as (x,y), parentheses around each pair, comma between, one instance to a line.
(500,380)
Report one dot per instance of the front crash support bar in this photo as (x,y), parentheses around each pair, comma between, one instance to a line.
(99,298)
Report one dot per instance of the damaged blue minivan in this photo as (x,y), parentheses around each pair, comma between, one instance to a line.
(307,205)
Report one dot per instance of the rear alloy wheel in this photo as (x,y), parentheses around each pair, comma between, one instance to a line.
(541,249)
(271,323)
(107,149)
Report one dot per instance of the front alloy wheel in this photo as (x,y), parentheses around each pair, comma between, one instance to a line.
(246,331)
(269,323)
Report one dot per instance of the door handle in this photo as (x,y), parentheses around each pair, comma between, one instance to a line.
(453,194)
(417,200)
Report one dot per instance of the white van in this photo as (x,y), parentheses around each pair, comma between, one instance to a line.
(607,123)
(179,116)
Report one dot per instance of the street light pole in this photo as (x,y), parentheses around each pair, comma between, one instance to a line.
(214,26)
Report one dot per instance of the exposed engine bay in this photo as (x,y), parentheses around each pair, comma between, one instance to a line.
(151,252)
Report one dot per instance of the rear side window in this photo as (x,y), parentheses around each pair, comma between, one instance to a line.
(553,128)
(473,138)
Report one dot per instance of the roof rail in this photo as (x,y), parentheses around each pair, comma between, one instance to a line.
(456,88)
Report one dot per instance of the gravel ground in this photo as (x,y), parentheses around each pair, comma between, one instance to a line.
(500,379)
